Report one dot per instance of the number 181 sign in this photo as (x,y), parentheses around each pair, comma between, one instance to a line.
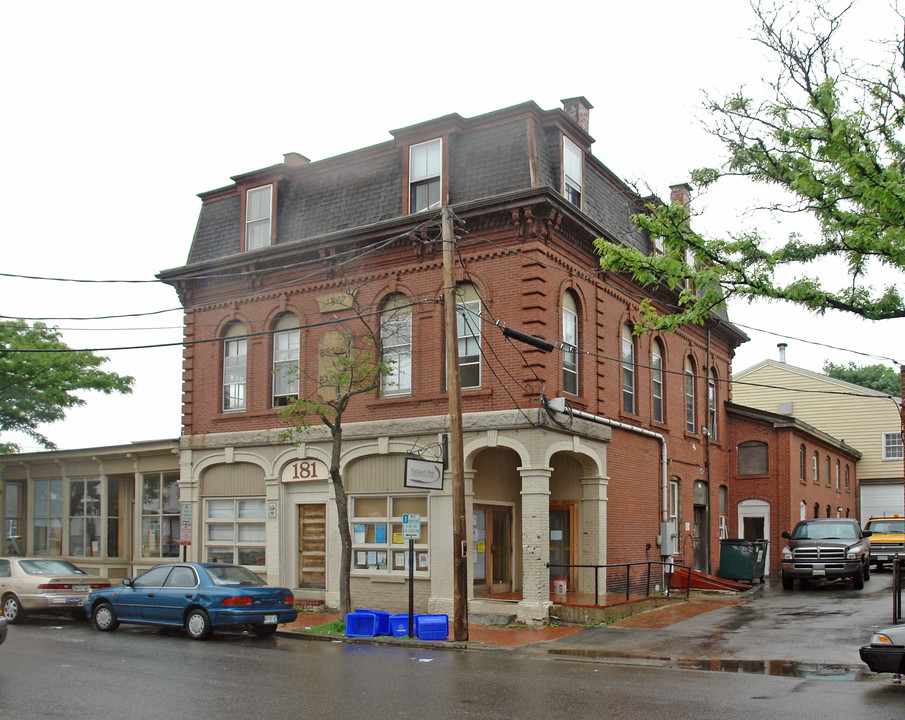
(304,471)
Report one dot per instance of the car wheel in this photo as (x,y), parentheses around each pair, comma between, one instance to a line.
(867,571)
(858,579)
(264,630)
(787,582)
(105,618)
(198,625)
(12,610)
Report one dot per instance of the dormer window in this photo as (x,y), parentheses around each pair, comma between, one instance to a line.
(572,164)
(258,208)
(425,168)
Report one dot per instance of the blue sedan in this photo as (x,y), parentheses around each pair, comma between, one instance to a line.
(196,596)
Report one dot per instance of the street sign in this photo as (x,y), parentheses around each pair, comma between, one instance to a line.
(185,524)
(411,526)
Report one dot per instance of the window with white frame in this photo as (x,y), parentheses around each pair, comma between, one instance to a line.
(848,477)
(712,424)
(468,332)
(235,531)
(674,509)
(425,173)
(258,210)
(690,421)
(815,462)
(724,512)
(85,517)
(378,545)
(802,463)
(892,446)
(838,476)
(572,171)
(569,344)
(656,364)
(47,521)
(160,515)
(829,477)
(14,541)
(235,349)
(628,370)
(396,343)
(286,340)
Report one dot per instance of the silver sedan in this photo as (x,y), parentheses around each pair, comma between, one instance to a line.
(44,585)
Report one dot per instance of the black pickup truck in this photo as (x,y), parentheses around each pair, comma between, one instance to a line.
(826,548)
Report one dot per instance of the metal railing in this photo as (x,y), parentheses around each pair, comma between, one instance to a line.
(619,577)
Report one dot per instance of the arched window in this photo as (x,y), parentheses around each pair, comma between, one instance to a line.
(753,458)
(628,370)
(285,359)
(657,395)
(690,420)
(829,478)
(712,403)
(816,510)
(569,344)
(724,512)
(803,511)
(802,463)
(816,463)
(848,478)
(468,331)
(235,353)
(838,476)
(396,344)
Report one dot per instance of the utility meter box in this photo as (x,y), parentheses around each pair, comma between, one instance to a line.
(668,537)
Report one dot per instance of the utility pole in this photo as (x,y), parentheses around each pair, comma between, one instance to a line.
(456,450)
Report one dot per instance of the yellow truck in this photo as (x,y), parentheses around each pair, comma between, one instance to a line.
(887,540)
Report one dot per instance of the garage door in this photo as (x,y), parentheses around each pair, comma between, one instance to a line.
(881,501)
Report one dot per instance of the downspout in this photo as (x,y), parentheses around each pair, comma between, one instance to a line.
(559,405)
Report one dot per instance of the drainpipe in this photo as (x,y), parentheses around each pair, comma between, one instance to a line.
(559,405)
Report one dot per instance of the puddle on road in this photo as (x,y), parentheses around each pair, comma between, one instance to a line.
(777,668)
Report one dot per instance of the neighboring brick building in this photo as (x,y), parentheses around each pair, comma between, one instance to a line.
(783,471)
(283,255)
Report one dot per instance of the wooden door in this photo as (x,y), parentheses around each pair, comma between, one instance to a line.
(492,538)
(313,546)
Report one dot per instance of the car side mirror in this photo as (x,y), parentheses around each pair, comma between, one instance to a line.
(127,582)
(787,535)
(866,533)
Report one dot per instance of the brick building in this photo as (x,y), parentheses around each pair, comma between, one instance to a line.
(286,258)
(783,471)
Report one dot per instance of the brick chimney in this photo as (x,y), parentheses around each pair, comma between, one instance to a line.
(294,159)
(579,109)
(680,194)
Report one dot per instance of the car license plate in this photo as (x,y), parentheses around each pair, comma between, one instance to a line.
(80,588)
(270,619)
(818,572)
(882,557)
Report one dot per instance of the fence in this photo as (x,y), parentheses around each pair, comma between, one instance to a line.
(633,578)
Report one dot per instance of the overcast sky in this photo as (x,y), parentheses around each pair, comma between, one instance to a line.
(116,115)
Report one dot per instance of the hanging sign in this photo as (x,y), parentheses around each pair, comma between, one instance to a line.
(424,474)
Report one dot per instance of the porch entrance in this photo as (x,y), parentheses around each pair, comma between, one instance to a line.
(313,546)
(492,537)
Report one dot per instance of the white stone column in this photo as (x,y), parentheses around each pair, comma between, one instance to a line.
(592,540)
(535,605)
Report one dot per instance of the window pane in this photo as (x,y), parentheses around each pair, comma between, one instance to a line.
(251,509)
(221,509)
(405,505)
(251,556)
(221,532)
(370,507)
(251,532)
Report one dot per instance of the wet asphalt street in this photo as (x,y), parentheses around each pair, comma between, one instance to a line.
(815,630)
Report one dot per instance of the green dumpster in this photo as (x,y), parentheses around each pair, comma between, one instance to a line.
(743,559)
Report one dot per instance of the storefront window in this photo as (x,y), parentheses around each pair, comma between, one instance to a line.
(234,531)
(14,518)
(48,518)
(378,546)
(160,515)
(84,517)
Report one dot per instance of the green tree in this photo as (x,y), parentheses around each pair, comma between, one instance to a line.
(877,377)
(828,133)
(40,376)
(351,364)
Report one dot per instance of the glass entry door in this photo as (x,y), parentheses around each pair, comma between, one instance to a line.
(561,542)
(492,548)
